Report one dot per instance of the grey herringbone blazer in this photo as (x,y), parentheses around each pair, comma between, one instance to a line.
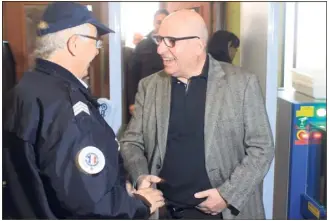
(238,140)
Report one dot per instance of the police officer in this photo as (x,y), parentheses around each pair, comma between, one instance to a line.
(60,158)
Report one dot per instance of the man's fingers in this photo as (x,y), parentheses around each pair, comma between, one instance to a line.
(156,206)
(154,179)
(129,187)
(158,199)
(202,205)
(159,204)
(150,191)
(203,209)
(146,181)
(144,184)
(202,194)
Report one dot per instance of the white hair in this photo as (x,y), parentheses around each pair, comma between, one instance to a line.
(46,45)
(204,33)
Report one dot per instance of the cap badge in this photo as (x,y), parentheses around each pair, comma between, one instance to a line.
(43,25)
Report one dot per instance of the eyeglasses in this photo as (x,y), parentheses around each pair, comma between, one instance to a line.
(169,41)
(99,42)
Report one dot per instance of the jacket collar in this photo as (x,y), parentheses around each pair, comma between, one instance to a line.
(54,69)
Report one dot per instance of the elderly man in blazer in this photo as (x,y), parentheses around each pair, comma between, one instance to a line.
(202,127)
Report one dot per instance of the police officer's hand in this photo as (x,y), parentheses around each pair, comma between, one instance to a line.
(151,197)
(146,181)
(129,187)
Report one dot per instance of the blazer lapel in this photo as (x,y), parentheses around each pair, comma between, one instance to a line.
(214,99)
(162,106)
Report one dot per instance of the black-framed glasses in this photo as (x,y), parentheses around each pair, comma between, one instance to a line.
(99,42)
(169,41)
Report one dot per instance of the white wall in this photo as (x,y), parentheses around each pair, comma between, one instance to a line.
(253,23)
(259,55)
(115,64)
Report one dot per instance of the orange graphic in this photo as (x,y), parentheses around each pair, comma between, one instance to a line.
(302,137)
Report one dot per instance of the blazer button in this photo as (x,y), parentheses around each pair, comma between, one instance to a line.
(158,166)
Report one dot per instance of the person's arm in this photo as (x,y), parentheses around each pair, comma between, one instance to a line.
(259,147)
(24,195)
(67,183)
(86,195)
(83,195)
(132,143)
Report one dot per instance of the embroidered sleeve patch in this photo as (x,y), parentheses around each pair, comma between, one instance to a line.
(90,160)
(80,107)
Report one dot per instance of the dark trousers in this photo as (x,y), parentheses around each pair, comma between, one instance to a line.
(169,212)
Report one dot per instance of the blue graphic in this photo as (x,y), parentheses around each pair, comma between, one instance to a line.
(91,159)
(103,109)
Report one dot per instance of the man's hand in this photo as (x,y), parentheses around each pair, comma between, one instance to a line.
(131,109)
(152,197)
(146,181)
(214,202)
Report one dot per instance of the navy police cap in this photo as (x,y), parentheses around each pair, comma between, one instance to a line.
(63,15)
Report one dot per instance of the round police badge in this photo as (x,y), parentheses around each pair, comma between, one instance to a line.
(90,160)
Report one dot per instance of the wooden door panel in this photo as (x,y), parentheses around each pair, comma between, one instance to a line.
(14,32)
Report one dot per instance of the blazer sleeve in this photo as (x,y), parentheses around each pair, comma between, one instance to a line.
(132,143)
(259,147)
(134,75)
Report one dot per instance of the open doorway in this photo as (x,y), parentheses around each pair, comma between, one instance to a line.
(136,17)
(136,20)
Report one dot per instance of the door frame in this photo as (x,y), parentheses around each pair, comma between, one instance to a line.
(14,31)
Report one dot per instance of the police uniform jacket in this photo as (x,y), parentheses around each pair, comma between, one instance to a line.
(60,158)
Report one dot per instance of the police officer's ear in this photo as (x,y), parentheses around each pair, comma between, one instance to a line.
(72,45)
